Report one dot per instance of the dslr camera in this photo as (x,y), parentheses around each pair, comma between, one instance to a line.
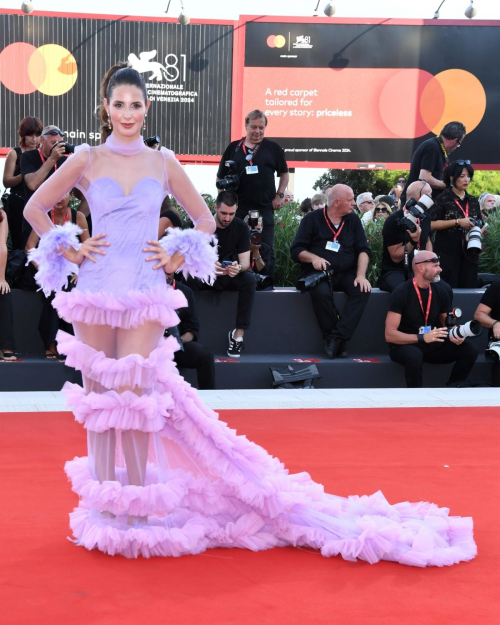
(308,282)
(413,211)
(230,182)
(471,328)
(473,236)
(253,222)
(492,353)
(152,141)
(69,148)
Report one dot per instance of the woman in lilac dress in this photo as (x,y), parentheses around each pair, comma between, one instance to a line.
(163,475)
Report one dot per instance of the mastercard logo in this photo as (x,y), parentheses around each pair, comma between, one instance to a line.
(50,69)
(276,41)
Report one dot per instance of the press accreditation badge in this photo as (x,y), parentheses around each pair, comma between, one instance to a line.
(424,329)
(333,246)
(252,169)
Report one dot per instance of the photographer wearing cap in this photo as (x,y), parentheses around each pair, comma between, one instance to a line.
(402,237)
(488,315)
(331,246)
(432,157)
(39,164)
(414,326)
(256,160)
(457,220)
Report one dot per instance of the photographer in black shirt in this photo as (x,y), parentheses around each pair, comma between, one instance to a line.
(334,239)
(232,267)
(399,240)
(414,326)
(256,161)
(261,256)
(488,314)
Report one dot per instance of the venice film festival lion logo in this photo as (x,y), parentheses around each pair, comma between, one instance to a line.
(144,64)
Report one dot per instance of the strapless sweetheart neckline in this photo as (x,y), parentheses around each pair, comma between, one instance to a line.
(117,184)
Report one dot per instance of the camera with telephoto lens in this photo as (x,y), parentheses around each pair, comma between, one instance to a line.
(69,148)
(413,211)
(308,282)
(230,182)
(451,317)
(263,283)
(253,222)
(471,328)
(152,141)
(492,353)
(473,236)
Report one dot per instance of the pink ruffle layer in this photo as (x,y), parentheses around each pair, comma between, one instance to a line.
(123,411)
(126,311)
(133,370)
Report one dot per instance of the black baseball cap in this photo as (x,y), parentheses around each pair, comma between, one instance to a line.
(53,131)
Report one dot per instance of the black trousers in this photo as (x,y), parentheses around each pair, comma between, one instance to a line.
(196,356)
(495,374)
(325,310)
(412,358)
(6,323)
(244,283)
(458,270)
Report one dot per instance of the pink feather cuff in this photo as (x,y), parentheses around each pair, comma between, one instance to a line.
(198,249)
(53,268)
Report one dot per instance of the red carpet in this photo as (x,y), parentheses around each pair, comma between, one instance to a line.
(46,579)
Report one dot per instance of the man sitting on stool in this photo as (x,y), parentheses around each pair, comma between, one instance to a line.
(414,327)
(191,354)
(333,238)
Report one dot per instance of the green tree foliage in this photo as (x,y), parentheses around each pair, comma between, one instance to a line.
(378,182)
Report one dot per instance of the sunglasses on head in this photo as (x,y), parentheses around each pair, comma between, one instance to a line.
(434,260)
(462,162)
(53,132)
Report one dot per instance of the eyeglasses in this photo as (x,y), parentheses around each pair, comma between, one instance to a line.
(434,260)
(462,162)
(368,202)
(402,181)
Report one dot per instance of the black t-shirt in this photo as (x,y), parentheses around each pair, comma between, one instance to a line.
(314,233)
(430,156)
(393,234)
(188,315)
(31,162)
(404,301)
(450,240)
(491,298)
(255,190)
(174,218)
(233,240)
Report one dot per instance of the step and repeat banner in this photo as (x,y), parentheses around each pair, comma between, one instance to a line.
(51,67)
(341,93)
(370,93)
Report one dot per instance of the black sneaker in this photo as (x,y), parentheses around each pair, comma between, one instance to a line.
(235,347)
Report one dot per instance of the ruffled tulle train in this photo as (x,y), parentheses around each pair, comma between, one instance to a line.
(205,486)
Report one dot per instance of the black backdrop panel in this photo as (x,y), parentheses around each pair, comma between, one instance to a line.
(189,77)
(280,51)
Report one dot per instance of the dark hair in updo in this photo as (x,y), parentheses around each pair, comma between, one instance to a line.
(119,74)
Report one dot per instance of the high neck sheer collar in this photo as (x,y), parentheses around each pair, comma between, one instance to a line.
(127,149)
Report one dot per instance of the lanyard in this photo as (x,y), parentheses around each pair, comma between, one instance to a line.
(43,159)
(446,155)
(53,216)
(426,315)
(244,148)
(466,211)
(335,233)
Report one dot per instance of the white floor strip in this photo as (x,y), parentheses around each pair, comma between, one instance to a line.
(52,401)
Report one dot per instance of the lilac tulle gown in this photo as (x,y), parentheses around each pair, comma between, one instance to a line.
(163,476)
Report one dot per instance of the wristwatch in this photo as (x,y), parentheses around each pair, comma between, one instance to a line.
(282,195)
(259,257)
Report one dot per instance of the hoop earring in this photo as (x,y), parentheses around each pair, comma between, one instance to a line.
(144,126)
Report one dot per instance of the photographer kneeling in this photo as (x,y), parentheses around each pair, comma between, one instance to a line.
(488,314)
(414,327)
(333,241)
(261,254)
(404,231)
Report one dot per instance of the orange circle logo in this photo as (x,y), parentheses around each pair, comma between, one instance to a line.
(50,69)
(414,102)
(276,41)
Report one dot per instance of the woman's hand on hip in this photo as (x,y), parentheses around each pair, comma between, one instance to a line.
(159,254)
(88,247)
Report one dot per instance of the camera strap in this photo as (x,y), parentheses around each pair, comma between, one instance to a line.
(44,159)
(336,233)
(249,157)
(426,314)
(466,211)
(53,215)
